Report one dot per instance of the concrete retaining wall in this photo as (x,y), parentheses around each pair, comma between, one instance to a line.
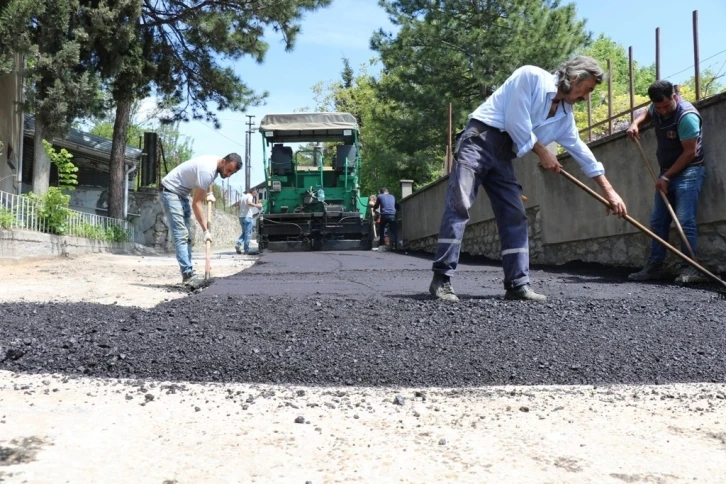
(22,244)
(151,232)
(566,224)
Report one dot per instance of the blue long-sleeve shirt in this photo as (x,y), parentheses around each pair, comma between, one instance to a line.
(520,107)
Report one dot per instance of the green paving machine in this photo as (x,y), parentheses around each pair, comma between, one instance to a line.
(312,193)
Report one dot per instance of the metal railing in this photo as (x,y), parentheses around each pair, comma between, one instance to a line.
(613,120)
(22,212)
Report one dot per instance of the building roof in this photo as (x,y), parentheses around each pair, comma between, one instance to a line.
(82,141)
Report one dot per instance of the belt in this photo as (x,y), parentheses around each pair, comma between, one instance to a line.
(164,189)
(482,127)
(479,125)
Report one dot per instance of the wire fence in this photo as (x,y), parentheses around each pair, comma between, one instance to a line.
(22,212)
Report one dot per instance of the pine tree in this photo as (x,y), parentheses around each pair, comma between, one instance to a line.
(460,51)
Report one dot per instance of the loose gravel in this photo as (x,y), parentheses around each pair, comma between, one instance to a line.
(410,341)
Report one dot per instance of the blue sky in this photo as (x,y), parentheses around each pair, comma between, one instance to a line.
(344,30)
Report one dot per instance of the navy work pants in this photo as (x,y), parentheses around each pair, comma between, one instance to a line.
(484,157)
(388,221)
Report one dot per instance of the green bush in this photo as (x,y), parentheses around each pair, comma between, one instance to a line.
(7,219)
(116,233)
(52,208)
(89,231)
(112,233)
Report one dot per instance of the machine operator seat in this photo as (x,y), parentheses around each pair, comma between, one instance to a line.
(281,159)
(345,153)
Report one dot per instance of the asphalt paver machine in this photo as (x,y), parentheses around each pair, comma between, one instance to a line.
(312,197)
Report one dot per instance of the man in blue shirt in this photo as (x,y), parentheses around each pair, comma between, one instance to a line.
(530,110)
(677,127)
(387,206)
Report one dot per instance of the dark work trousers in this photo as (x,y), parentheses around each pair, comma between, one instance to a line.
(390,222)
(484,157)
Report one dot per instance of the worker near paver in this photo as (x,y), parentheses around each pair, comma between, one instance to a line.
(375,214)
(193,176)
(247,205)
(531,109)
(678,133)
(387,205)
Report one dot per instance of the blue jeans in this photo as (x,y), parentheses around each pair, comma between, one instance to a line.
(484,157)
(244,238)
(683,192)
(179,215)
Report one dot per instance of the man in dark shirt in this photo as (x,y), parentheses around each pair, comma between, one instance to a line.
(387,205)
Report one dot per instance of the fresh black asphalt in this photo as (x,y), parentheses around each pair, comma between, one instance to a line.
(365,318)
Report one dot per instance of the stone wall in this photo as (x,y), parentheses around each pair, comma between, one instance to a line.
(150,225)
(628,250)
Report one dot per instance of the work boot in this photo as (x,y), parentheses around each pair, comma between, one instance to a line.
(651,272)
(440,288)
(690,275)
(196,281)
(187,276)
(524,293)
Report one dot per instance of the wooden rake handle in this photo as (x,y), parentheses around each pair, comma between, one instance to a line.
(645,230)
(665,200)
(208,256)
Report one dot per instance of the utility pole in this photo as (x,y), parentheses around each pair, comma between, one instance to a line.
(248,151)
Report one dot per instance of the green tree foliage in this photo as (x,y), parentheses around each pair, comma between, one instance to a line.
(63,161)
(620,103)
(52,209)
(382,164)
(459,51)
(602,49)
(710,85)
(176,147)
(59,86)
(178,50)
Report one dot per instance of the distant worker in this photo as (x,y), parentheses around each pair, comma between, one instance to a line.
(195,175)
(530,110)
(678,132)
(247,206)
(387,205)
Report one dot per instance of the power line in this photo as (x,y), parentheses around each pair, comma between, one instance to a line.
(694,65)
(220,134)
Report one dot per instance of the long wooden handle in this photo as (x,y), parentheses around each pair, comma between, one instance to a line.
(666,201)
(208,258)
(645,230)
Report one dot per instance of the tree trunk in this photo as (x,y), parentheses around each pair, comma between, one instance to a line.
(116,168)
(41,162)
